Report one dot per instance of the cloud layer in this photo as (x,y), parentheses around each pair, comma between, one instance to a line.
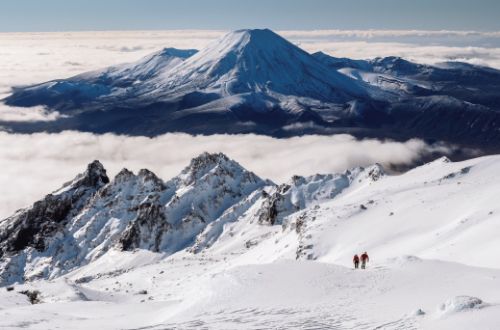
(33,165)
(33,114)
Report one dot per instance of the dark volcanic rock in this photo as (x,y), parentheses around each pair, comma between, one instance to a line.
(32,227)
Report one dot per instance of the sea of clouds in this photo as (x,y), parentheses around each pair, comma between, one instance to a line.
(33,165)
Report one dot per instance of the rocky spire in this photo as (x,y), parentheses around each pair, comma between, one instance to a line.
(33,226)
(94,176)
(206,162)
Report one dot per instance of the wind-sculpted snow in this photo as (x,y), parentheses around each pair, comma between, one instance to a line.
(254,81)
(461,304)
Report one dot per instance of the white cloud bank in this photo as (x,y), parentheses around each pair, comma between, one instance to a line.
(34,165)
(32,114)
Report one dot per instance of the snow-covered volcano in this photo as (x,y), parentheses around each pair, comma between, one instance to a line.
(254,81)
(220,248)
(258,61)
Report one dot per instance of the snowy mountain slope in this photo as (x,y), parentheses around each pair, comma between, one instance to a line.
(473,84)
(215,202)
(465,82)
(119,81)
(150,67)
(254,81)
(399,86)
(189,293)
(270,206)
(268,256)
(437,211)
(437,102)
(336,63)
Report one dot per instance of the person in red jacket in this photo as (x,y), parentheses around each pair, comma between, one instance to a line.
(355,260)
(364,260)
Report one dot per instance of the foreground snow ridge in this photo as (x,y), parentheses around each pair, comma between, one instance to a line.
(218,247)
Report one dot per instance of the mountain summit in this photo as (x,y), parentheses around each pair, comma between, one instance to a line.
(260,61)
(255,81)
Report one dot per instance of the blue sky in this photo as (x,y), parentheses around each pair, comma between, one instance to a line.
(74,15)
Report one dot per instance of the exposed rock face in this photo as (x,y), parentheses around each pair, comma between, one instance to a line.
(129,200)
(210,185)
(147,228)
(375,172)
(302,192)
(34,226)
(274,204)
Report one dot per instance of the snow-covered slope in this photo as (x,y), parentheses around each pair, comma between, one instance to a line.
(151,67)
(116,81)
(217,247)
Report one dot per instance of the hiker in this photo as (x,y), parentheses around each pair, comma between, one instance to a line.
(364,260)
(356,261)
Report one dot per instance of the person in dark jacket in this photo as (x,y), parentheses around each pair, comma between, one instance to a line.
(364,260)
(355,260)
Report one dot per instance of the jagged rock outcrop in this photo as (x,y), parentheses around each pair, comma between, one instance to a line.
(210,185)
(91,214)
(302,192)
(35,226)
(274,204)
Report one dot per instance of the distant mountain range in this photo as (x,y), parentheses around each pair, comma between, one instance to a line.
(254,81)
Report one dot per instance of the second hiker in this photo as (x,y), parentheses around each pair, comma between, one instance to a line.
(364,260)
